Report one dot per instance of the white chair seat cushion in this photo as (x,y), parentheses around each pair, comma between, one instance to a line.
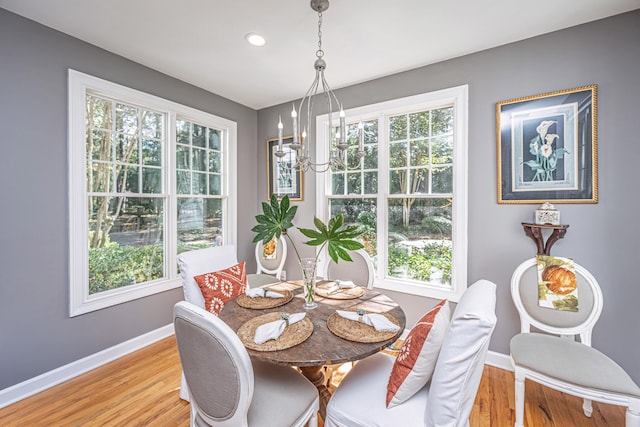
(278,394)
(571,362)
(360,400)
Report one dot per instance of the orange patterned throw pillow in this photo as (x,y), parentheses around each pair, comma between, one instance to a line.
(222,286)
(417,358)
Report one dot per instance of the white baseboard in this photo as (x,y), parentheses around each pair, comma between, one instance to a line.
(56,376)
(499,360)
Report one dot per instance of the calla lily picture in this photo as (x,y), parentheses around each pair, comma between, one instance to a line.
(547,147)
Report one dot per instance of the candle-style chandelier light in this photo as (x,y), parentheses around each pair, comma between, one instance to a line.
(319,90)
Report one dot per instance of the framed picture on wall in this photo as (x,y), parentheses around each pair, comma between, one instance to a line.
(547,147)
(282,177)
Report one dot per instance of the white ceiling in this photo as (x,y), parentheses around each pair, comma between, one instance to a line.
(202,41)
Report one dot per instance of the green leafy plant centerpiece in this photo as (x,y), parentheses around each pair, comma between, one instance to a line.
(277,218)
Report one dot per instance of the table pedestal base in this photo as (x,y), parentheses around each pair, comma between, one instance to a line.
(315,374)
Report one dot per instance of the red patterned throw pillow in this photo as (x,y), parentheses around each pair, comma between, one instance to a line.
(222,286)
(417,358)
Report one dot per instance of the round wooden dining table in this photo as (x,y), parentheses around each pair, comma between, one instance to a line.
(322,347)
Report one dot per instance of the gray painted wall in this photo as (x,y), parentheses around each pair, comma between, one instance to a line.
(602,237)
(36,333)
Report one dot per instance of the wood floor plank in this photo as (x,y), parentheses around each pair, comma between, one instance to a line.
(141,389)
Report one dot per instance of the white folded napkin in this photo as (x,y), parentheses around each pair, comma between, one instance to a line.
(273,330)
(262,292)
(378,321)
(340,284)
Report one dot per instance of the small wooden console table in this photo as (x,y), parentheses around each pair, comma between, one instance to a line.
(535,232)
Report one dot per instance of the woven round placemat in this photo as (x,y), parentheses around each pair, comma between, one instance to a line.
(357,331)
(346,293)
(259,303)
(292,335)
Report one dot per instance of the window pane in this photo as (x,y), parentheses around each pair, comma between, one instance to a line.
(370,157)
(182,131)
(127,179)
(183,184)
(99,145)
(419,181)
(354,183)
(152,125)
(182,157)
(99,112)
(397,128)
(443,180)
(419,238)
(442,121)
(151,153)
(370,182)
(419,124)
(152,180)
(215,162)
(214,139)
(126,148)
(370,132)
(127,119)
(419,152)
(337,183)
(398,155)
(442,150)
(199,183)
(199,136)
(215,184)
(99,177)
(353,161)
(125,242)
(199,159)
(397,181)
(199,223)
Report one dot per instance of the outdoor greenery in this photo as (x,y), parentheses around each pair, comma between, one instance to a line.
(114,266)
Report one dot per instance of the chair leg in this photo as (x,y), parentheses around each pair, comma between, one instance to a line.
(519,398)
(184,391)
(313,421)
(587,407)
(632,416)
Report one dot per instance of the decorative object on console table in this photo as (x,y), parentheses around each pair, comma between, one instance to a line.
(547,214)
(277,218)
(534,231)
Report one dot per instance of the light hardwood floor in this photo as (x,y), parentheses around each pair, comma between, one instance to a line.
(141,389)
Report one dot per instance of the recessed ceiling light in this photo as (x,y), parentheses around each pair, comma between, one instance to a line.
(255,39)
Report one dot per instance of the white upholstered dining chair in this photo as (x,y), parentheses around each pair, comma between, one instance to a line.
(268,270)
(226,388)
(360,271)
(559,361)
(446,400)
(197,262)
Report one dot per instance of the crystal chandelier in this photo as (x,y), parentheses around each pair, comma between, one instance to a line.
(319,91)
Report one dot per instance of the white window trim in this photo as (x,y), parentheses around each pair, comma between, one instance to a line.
(458,96)
(80,300)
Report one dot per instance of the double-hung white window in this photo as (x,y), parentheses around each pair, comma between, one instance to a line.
(149,178)
(409,192)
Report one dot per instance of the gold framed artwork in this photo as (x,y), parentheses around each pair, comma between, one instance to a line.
(282,178)
(547,147)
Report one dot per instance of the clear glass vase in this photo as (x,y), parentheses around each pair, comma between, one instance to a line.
(309,282)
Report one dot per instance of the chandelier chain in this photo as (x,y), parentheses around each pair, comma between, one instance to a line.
(319,52)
